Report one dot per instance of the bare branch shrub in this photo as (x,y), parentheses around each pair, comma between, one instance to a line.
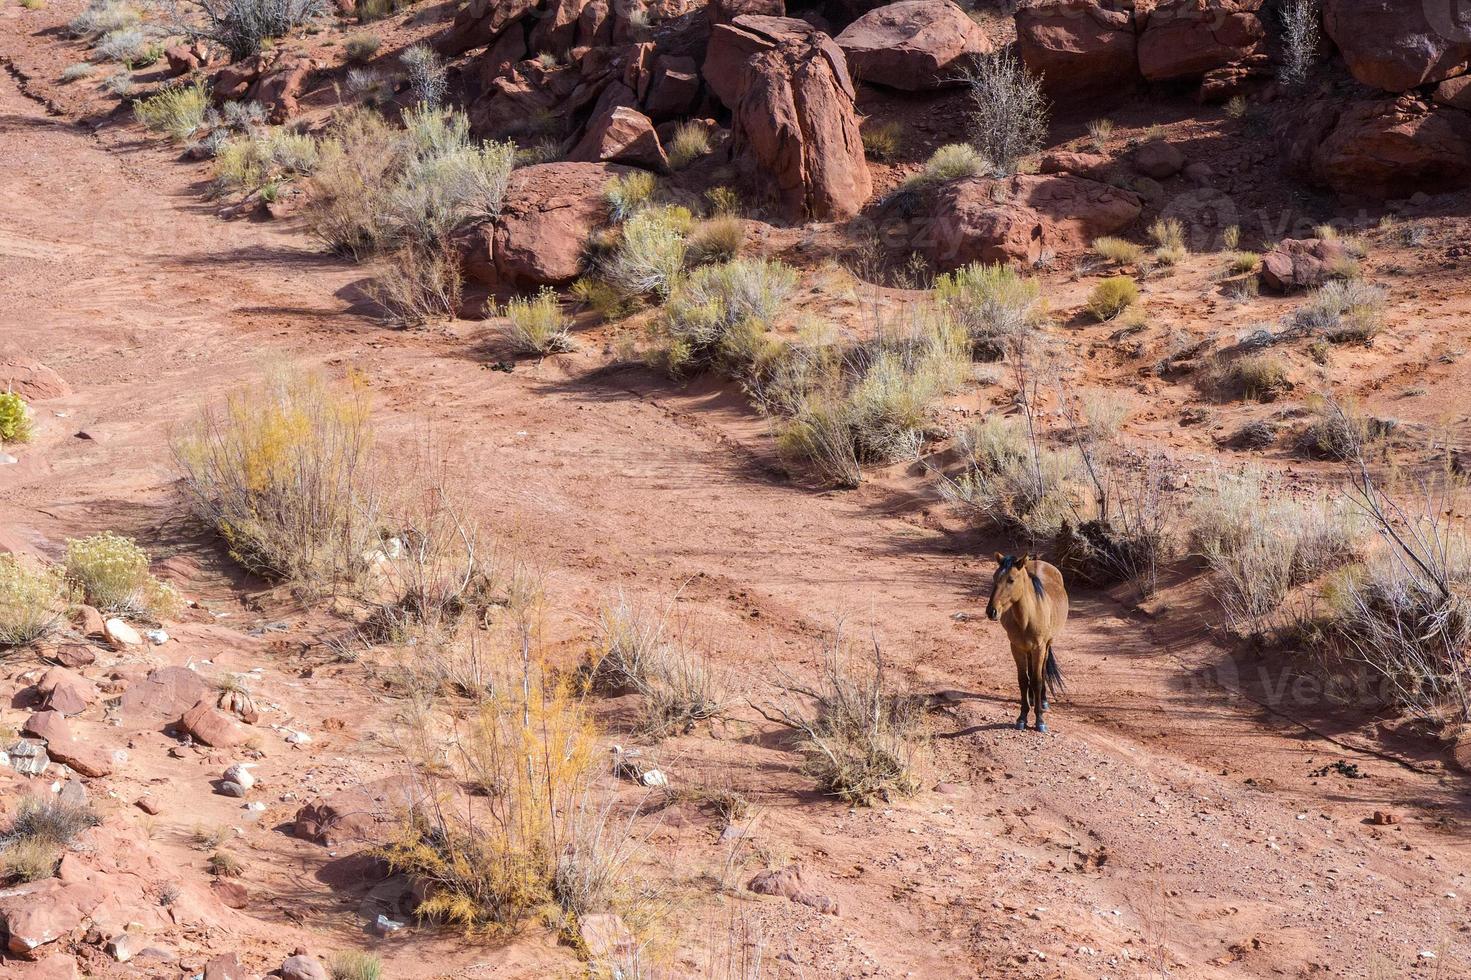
(1301,38)
(242,26)
(1009,119)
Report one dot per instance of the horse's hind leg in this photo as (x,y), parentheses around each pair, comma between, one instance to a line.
(1039,686)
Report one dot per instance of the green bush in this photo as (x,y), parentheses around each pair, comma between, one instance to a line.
(15,418)
(650,254)
(354,965)
(627,194)
(1112,296)
(177,111)
(111,573)
(949,162)
(32,601)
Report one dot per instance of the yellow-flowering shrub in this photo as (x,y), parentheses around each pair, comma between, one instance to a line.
(15,418)
(111,573)
(283,472)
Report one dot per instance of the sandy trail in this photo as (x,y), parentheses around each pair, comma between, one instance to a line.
(1168,817)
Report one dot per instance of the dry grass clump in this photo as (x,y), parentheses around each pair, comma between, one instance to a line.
(691,141)
(355,965)
(1259,376)
(1119,251)
(111,573)
(627,194)
(1242,263)
(881,141)
(103,17)
(33,600)
(1011,481)
(537,326)
(718,316)
(131,47)
(871,403)
(1344,312)
(283,472)
(994,304)
(1337,431)
(177,111)
(361,48)
(717,239)
(15,419)
(642,650)
(863,736)
(1260,544)
(1111,297)
(950,162)
(42,829)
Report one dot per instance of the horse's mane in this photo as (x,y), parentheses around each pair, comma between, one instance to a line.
(1009,562)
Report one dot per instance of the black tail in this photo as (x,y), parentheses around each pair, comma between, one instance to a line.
(1055,683)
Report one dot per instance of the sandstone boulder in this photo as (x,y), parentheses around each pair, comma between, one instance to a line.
(303,967)
(621,135)
(913,45)
(1299,264)
(1159,159)
(367,813)
(66,691)
(793,121)
(161,697)
(36,914)
(62,744)
(788,883)
(208,724)
(1454,92)
(281,85)
(480,22)
(31,380)
(674,87)
(1393,148)
(1078,47)
(1068,162)
(1013,220)
(538,238)
(1187,38)
(1397,46)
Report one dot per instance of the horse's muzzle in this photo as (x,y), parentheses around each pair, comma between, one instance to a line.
(992,614)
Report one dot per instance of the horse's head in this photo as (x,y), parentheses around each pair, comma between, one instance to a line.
(1011,583)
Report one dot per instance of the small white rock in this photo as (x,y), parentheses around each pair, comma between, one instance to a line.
(120,635)
(654,777)
(157,637)
(240,773)
(298,738)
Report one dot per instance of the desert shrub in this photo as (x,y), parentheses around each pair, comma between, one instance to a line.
(32,601)
(1260,543)
(602,298)
(537,326)
(717,239)
(650,254)
(993,304)
(103,17)
(1009,119)
(418,283)
(223,864)
(427,78)
(1008,482)
(1237,107)
(120,83)
(718,316)
(283,473)
(863,737)
(52,820)
(284,151)
(1231,237)
(1242,263)
(78,71)
(356,965)
(361,48)
(881,141)
(722,201)
(27,859)
(15,418)
(129,46)
(1344,312)
(1168,234)
(528,749)
(1120,251)
(177,111)
(691,141)
(1111,297)
(111,573)
(627,194)
(1102,413)
(1336,431)
(238,166)
(643,650)
(377,188)
(1099,130)
(950,162)
(1300,39)
(1259,376)
(242,26)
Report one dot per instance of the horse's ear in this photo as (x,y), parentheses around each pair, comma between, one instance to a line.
(1022,561)
(1000,558)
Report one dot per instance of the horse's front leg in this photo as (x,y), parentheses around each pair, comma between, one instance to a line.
(1039,685)
(1024,685)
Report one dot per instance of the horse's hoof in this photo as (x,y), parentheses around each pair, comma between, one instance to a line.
(1045,706)
(1021,724)
(1041,726)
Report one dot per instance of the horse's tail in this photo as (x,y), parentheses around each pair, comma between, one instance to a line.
(1055,683)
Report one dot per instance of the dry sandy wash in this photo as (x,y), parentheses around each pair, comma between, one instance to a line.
(1170,824)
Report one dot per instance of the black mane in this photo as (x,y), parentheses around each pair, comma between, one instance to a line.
(1009,562)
